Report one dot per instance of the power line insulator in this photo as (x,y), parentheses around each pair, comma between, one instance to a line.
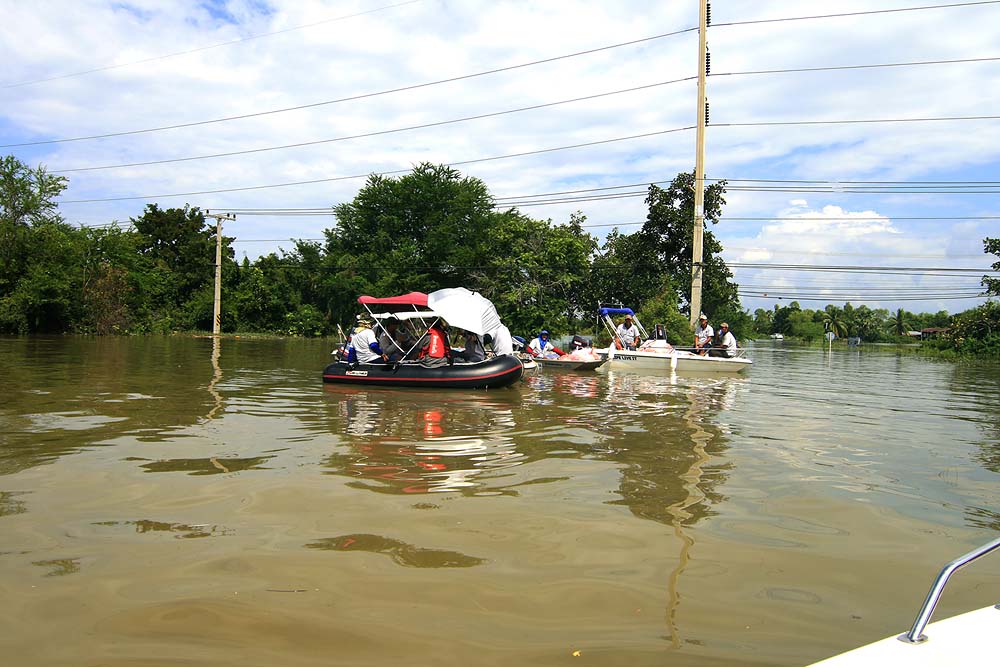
(708,13)
(706,113)
(708,62)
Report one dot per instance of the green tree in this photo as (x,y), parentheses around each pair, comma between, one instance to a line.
(899,323)
(29,230)
(668,233)
(434,228)
(833,320)
(992,284)
(177,268)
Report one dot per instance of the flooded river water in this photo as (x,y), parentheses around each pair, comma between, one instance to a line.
(163,506)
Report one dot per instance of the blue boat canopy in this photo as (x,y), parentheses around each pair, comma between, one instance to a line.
(615,311)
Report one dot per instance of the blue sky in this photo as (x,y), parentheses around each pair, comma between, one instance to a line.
(160,63)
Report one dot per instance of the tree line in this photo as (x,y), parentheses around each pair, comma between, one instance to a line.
(429,229)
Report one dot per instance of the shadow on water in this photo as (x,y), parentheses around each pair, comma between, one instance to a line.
(401,553)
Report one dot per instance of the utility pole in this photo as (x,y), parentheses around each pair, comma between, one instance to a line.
(697,269)
(217,311)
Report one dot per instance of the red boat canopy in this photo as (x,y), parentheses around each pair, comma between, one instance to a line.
(411,299)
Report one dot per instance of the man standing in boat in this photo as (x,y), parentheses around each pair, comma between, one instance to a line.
(627,334)
(703,335)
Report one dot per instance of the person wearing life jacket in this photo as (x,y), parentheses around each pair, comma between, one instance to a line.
(437,344)
(543,347)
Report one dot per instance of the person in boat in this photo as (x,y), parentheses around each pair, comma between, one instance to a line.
(501,341)
(703,335)
(474,350)
(394,340)
(543,347)
(726,347)
(436,352)
(627,335)
(364,347)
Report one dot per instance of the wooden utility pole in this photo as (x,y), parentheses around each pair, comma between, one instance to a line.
(697,269)
(217,311)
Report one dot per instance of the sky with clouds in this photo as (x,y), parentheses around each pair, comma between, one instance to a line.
(200,92)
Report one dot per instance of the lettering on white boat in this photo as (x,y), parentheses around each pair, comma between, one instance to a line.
(359,373)
(625,357)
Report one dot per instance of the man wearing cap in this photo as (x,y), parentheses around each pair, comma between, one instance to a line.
(727,345)
(703,335)
(543,347)
(627,334)
(364,348)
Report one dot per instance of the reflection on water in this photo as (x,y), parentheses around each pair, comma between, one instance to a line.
(400,552)
(409,445)
(183,531)
(10,504)
(59,567)
(209,466)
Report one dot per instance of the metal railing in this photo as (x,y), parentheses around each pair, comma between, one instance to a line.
(915,635)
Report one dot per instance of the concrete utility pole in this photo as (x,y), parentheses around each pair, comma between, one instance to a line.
(697,270)
(217,311)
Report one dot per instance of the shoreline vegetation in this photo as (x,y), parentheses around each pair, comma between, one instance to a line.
(425,230)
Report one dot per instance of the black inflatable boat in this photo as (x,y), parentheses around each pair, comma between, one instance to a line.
(496,372)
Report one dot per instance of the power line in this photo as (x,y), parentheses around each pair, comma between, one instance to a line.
(794,297)
(849,67)
(848,254)
(854,121)
(377,133)
(203,48)
(383,173)
(887,270)
(840,182)
(873,218)
(355,97)
(874,11)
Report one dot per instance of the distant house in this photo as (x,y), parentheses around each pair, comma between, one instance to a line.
(932,332)
(914,334)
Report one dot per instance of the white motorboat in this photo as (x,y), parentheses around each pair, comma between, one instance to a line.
(966,639)
(656,354)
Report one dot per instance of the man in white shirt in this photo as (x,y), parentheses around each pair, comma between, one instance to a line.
(365,343)
(727,344)
(627,334)
(703,334)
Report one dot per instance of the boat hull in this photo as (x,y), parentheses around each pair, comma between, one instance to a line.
(493,373)
(570,365)
(677,362)
(967,639)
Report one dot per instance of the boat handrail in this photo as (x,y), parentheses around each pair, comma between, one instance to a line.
(915,635)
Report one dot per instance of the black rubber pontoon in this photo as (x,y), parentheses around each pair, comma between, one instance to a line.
(499,371)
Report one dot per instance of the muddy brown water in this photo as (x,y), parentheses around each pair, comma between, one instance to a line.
(164,503)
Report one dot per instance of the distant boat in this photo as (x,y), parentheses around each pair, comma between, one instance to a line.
(778,336)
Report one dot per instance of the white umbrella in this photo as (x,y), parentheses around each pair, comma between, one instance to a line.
(465,309)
